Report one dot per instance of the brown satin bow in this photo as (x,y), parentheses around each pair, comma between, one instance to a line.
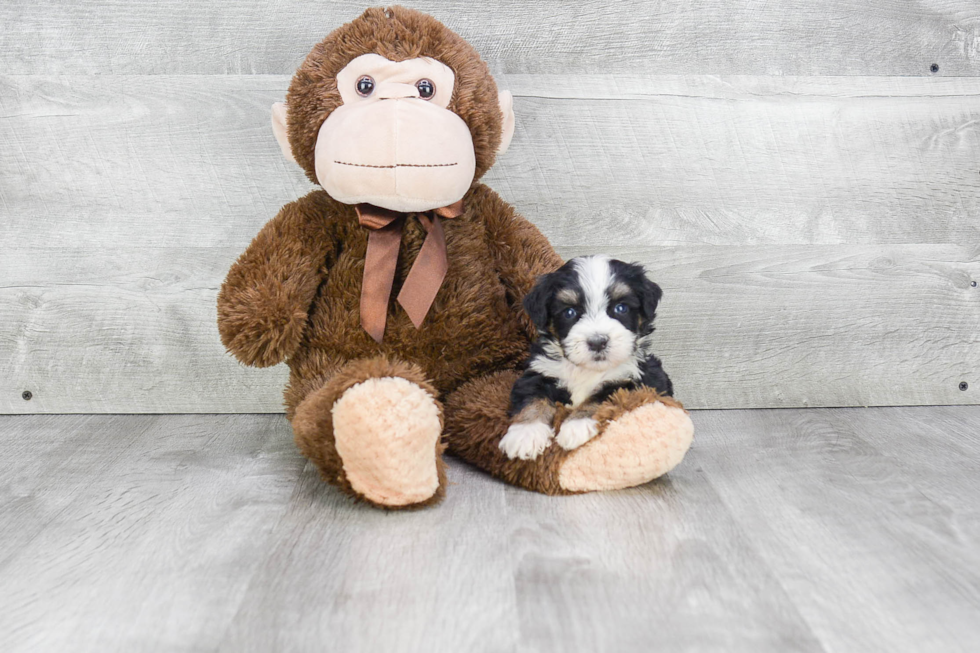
(423,280)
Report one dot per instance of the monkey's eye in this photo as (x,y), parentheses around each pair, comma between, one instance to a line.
(569,313)
(365,85)
(621,309)
(426,89)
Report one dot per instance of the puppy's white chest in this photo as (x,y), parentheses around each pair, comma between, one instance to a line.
(582,382)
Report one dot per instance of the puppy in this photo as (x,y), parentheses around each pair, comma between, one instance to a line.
(595,319)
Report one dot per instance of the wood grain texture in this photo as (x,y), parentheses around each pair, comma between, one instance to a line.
(794,530)
(746,160)
(190,160)
(834,503)
(366,580)
(151,160)
(122,330)
(794,37)
(664,564)
(520,572)
(133,330)
(135,533)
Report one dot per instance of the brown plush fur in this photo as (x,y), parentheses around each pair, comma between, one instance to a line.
(476,420)
(623,401)
(397,34)
(294,294)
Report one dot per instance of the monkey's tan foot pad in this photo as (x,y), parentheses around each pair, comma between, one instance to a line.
(636,447)
(387,432)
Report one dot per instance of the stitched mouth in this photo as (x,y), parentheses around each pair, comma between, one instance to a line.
(397,165)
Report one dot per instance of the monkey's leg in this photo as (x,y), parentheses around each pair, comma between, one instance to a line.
(374,431)
(641,436)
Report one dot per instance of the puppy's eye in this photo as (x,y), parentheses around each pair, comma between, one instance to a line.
(365,85)
(569,313)
(621,309)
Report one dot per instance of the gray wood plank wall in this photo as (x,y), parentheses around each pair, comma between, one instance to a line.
(800,182)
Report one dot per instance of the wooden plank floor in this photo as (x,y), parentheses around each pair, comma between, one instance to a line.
(783,530)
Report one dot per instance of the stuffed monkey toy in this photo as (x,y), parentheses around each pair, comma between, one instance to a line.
(394,294)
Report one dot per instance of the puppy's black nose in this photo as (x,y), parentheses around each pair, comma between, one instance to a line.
(597,343)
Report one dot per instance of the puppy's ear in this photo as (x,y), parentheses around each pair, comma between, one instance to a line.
(536,301)
(650,294)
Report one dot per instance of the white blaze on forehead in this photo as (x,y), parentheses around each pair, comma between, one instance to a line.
(595,276)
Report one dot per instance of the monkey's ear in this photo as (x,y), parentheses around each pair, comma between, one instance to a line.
(507,126)
(279,129)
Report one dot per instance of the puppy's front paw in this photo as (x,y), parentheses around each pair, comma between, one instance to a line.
(576,432)
(526,440)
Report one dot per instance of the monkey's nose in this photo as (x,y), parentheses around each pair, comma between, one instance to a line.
(597,343)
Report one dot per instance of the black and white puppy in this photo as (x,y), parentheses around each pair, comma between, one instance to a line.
(595,319)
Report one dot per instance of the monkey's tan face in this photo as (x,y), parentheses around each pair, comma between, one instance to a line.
(394,143)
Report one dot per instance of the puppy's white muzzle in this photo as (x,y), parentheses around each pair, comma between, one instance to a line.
(599,342)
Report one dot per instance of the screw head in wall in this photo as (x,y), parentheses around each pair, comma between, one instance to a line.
(27,395)
(934,68)
(964,385)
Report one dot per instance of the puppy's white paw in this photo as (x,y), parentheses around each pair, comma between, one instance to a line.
(526,440)
(576,432)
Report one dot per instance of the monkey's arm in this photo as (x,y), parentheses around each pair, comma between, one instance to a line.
(263,302)
(520,252)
